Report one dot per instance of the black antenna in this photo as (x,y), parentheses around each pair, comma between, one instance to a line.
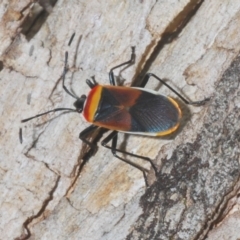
(80,101)
(53,110)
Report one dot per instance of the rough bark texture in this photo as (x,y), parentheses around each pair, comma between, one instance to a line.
(44,191)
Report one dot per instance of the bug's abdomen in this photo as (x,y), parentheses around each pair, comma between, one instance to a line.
(132,110)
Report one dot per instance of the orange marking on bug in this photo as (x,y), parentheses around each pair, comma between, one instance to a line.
(171,130)
(177,107)
(91,103)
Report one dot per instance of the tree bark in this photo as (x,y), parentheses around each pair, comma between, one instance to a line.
(45,191)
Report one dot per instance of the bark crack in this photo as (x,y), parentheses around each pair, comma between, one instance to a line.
(40,213)
(171,32)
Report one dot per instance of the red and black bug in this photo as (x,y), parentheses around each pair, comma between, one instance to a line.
(132,110)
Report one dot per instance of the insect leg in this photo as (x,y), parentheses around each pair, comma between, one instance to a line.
(111,75)
(83,136)
(113,136)
(148,75)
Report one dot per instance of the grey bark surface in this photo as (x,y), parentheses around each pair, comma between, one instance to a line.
(45,193)
(201,176)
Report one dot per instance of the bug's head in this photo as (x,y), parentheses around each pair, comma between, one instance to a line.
(79,103)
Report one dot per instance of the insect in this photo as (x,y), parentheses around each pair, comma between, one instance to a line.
(133,110)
